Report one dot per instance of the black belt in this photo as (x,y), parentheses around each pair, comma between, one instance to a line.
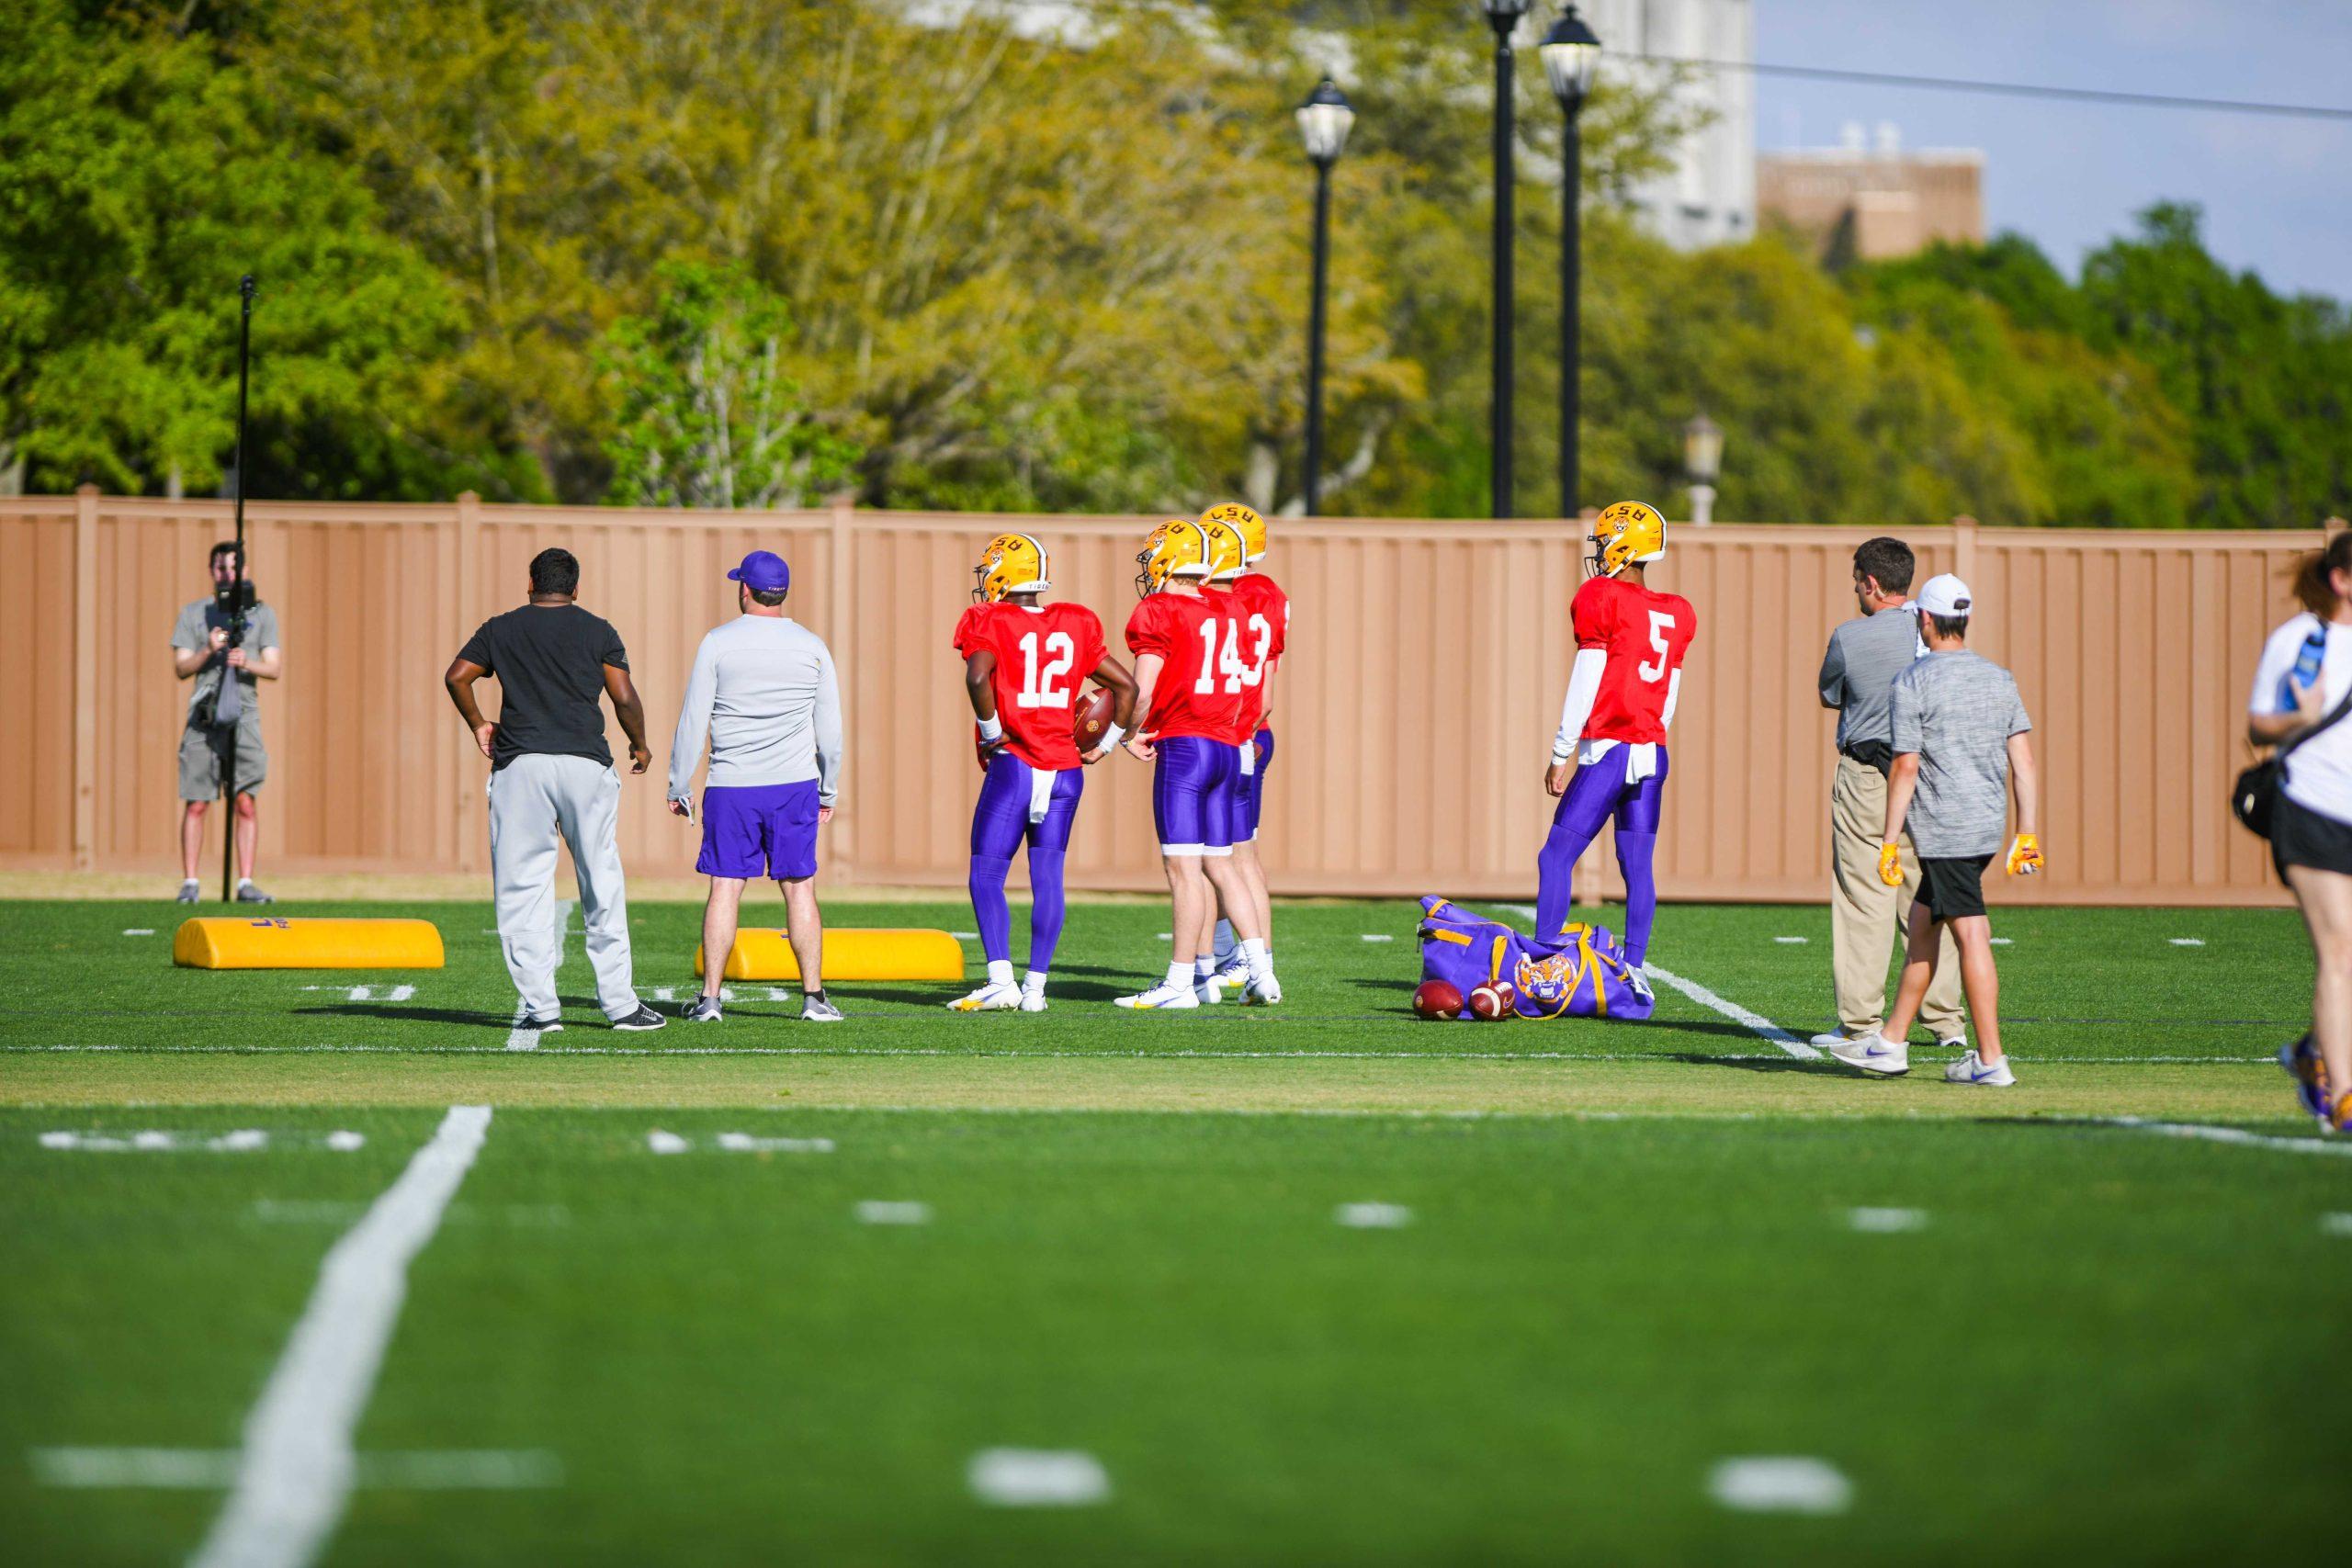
(1878,755)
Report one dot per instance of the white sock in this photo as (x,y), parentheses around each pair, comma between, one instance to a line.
(244,882)
(187,882)
(1180,977)
(1253,953)
(1203,967)
(999,971)
(1223,945)
(1034,982)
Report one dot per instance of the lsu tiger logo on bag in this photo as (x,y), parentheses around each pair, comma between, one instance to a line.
(1545,984)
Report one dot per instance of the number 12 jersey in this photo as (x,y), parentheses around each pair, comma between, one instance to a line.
(1043,656)
(1645,635)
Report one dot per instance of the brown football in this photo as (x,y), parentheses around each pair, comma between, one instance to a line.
(1491,1002)
(1095,707)
(1438,999)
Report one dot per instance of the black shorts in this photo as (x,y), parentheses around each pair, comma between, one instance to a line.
(1953,889)
(2300,836)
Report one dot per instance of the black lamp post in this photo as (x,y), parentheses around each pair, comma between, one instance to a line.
(1571,53)
(1323,122)
(1703,459)
(1503,16)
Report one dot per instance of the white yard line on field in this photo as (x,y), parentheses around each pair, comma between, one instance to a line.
(1649,1056)
(298,1465)
(2185,940)
(2227,1135)
(139,930)
(1790,1484)
(522,1037)
(1756,1022)
(210,1470)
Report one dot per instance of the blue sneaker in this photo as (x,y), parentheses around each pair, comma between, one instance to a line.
(2301,1062)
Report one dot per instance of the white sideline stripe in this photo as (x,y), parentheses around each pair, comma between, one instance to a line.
(139,930)
(522,1037)
(563,908)
(1781,1484)
(1886,1222)
(2000,942)
(2185,940)
(298,1467)
(1792,941)
(1038,1477)
(2227,1135)
(243,1140)
(1372,1216)
(1737,1013)
(207,1470)
(964,936)
(883,1211)
(1378,936)
(662,1142)
(1036,1055)
(744,1143)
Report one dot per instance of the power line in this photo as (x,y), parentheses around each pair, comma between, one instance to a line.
(2009,89)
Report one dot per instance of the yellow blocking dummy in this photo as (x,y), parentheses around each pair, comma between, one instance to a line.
(853,952)
(223,941)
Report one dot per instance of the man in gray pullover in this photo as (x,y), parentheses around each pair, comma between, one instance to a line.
(764,693)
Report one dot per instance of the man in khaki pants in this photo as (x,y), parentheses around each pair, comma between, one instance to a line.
(1857,675)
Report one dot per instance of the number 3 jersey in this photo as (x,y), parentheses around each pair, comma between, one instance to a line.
(1262,614)
(1043,656)
(1645,635)
(1203,682)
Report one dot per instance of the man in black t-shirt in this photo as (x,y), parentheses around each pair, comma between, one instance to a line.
(552,775)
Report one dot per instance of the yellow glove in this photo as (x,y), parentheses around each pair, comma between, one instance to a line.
(2024,855)
(1890,864)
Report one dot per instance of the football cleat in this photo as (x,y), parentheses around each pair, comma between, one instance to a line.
(1875,1054)
(1235,973)
(1627,534)
(1211,990)
(1265,993)
(2302,1063)
(1641,983)
(1033,1001)
(1178,548)
(989,998)
(1160,995)
(1010,564)
(1972,1070)
(1246,523)
(1227,556)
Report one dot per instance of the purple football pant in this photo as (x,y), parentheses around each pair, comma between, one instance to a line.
(1000,824)
(1595,793)
(1252,788)
(1193,800)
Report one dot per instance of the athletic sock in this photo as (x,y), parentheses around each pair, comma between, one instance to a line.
(999,971)
(244,882)
(1180,977)
(1223,947)
(1253,953)
(1203,967)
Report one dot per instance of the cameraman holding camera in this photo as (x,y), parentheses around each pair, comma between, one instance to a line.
(200,652)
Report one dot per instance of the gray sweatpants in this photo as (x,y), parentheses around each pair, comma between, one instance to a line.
(534,799)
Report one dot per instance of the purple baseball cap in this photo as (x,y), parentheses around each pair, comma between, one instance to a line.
(763,571)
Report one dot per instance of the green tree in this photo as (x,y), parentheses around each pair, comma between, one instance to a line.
(705,414)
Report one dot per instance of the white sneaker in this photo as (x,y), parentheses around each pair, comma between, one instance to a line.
(817,1010)
(1972,1070)
(1160,995)
(1033,1001)
(1235,973)
(1875,1054)
(1210,991)
(1835,1037)
(1263,993)
(989,998)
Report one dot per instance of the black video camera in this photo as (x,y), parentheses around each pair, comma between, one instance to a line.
(232,605)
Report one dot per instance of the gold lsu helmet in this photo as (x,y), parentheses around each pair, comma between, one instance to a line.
(1627,534)
(1228,555)
(1178,548)
(1246,523)
(1010,564)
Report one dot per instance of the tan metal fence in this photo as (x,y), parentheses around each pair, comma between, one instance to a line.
(1426,666)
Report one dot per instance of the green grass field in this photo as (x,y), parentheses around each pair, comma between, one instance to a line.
(1604,1260)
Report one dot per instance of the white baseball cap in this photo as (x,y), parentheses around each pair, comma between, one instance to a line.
(1944,595)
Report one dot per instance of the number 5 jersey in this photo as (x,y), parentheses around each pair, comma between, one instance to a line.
(1042,658)
(1645,635)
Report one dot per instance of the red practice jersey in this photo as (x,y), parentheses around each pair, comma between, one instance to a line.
(1203,679)
(1262,613)
(1043,657)
(1645,635)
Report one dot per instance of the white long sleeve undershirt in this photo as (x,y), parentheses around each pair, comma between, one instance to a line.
(1584,689)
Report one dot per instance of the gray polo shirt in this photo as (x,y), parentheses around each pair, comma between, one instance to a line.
(1865,656)
(1958,712)
(764,691)
(193,631)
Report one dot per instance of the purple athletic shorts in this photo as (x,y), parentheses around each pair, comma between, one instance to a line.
(1193,795)
(1250,789)
(752,831)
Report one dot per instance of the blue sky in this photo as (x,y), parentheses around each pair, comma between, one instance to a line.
(2276,192)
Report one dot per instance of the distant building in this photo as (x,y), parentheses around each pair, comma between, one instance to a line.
(1871,202)
(1709,197)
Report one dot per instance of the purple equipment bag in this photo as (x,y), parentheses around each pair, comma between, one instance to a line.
(1586,979)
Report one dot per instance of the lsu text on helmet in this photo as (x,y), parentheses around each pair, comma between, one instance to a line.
(1246,523)
(1178,548)
(1010,564)
(1627,534)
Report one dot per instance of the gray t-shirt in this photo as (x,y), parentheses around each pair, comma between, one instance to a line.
(764,691)
(193,631)
(1958,712)
(1858,673)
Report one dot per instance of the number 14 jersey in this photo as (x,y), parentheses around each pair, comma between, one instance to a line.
(1203,682)
(1043,656)
(1646,634)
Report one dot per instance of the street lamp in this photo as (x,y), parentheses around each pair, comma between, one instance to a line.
(1571,53)
(1703,458)
(1323,122)
(1503,16)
